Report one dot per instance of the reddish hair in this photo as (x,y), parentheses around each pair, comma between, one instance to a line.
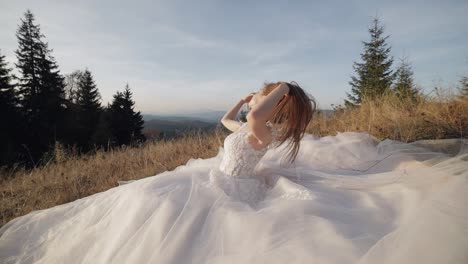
(293,113)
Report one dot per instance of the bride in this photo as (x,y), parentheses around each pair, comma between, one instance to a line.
(349,198)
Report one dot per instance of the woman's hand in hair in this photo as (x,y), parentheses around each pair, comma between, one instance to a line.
(286,85)
(288,88)
(248,97)
(263,111)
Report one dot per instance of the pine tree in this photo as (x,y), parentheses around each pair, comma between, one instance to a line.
(8,97)
(374,74)
(41,87)
(126,124)
(119,123)
(464,87)
(137,122)
(89,109)
(404,84)
(11,132)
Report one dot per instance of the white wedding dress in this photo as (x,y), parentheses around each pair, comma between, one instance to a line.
(348,198)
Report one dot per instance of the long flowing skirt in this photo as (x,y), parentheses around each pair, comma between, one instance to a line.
(348,198)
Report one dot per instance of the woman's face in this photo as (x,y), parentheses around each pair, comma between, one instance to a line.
(257,98)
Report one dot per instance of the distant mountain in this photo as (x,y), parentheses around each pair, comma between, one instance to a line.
(213,116)
(168,125)
(157,126)
(206,116)
(172,126)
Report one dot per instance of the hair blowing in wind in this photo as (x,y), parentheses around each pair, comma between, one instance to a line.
(293,113)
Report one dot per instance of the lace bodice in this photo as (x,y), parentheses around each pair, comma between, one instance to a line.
(240,158)
(235,174)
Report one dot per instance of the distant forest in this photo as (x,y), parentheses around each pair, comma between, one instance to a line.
(41,107)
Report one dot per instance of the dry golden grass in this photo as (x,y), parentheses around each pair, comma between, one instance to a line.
(442,116)
(71,177)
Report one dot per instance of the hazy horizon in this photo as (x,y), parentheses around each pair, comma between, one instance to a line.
(204,56)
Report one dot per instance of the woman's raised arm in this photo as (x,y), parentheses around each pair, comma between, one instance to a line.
(228,119)
(263,111)
(258,116)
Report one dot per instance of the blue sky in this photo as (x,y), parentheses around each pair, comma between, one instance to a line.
(186,56)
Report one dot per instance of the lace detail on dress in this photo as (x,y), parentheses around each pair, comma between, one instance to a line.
(235,174)
(240,158)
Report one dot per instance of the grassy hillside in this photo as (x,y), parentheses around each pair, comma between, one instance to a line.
(71,177)
(442,116)
(164,128)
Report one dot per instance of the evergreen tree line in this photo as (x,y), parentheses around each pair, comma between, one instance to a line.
(41,107)
(375,77)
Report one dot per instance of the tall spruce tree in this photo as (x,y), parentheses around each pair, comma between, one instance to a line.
(404,86)
(136,117)
(41,87)
(464,87)
(126,124)
(11,132)
(374,74)
(119,123)
(89,109)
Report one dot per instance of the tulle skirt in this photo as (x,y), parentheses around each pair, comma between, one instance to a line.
(348,198)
